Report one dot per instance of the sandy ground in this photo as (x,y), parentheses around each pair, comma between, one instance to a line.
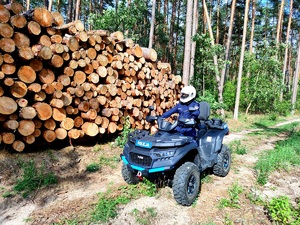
(76,192)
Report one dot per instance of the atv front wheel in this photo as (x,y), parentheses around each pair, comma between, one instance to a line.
(223,162)
(186,183)
(128,176)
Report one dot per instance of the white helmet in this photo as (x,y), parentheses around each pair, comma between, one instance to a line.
(188,93)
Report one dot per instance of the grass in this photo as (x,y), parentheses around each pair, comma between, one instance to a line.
(144,217)
(238,148)
(282,212)
(233,200)
(33,178)
(285,155)
(93,167)
(108,202)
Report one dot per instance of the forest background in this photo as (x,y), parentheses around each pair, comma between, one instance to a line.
(241,55)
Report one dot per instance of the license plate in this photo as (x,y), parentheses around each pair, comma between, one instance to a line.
(143,144)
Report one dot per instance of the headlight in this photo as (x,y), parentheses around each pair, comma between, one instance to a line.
(164,154)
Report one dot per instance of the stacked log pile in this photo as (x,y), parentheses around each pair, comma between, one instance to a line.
(60,81)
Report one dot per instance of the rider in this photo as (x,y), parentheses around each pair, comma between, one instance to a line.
(187,96)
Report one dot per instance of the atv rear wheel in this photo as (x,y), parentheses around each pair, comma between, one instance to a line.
(128,176)
(186,183)
(223,162)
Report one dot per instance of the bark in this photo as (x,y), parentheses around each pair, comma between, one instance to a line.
(237,100)
(286,54)
(151,34)
(187,44)
(296,79)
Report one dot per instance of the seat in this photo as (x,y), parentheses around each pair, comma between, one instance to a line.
(204,114)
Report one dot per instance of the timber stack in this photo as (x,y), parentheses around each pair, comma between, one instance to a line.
(60,81)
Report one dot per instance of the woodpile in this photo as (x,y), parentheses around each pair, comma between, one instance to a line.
(60,81)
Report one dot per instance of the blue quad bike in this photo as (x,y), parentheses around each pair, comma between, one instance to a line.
(168,155)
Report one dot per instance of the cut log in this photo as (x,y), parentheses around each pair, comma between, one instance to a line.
(25,53)
(6,30)
(67,123)
(30,139)
(8,138)
(36,65)
(8,69)
(49,135)
(59,114)
(11,125)
(26,74)
(18,145)
(34,28)
(26,127)
(18,89)
(18,21)
(22,102)
(90,129)
(4,14)
(35,87)
(58,19)
(45,53)
(7,105)
(61,133)
(15,8)
(43,17)
(74,133)
(112,127)
(7,45)
(50,124)
(44,110)
(46,76)
(149,54)
(27,112)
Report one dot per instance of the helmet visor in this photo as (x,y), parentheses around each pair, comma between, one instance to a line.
(184,95)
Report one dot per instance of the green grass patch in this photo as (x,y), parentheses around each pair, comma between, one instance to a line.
(233,201)
(237,147)
(144,217)
(93,167)
(109,201)
(282,212)
(285,155)
(33,178)
(109,161)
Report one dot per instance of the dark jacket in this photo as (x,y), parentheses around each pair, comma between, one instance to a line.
(183,111)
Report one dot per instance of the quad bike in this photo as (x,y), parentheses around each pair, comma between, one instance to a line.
(181,158)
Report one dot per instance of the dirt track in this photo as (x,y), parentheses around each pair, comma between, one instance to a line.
(77,190)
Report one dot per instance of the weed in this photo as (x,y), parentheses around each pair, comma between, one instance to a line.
(233,200)
(33,178)
(122,139)
(8,194)
(144,217)
(97,148)
(237,147)
(67,222)
(228,220)
(93,167)
(282,212)
(254,197)
(108,202)
(109,161)
(285,155)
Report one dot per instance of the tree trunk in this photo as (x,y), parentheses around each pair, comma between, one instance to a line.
(296,79)
(152,24)
(238,90)
(286,54)
(227,51)
(187,44)
(194,32)
(77,10)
